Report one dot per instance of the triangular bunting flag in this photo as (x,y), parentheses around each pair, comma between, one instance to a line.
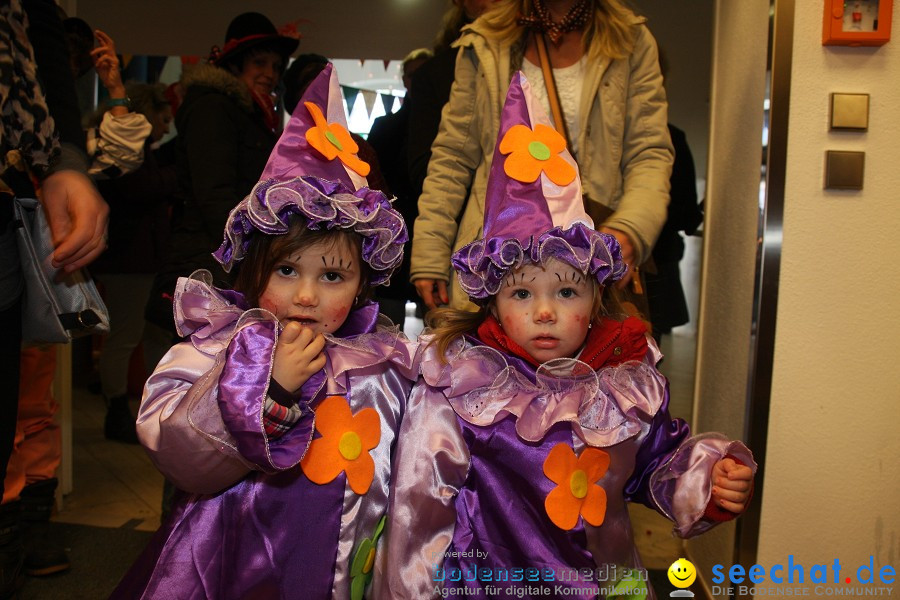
(369,97)
(387,101)
(350,94)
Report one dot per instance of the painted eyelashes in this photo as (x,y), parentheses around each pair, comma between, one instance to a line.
(340,263)
(577,278)
(511,280)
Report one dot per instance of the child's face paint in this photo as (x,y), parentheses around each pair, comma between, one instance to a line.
(315,287)
(546,309)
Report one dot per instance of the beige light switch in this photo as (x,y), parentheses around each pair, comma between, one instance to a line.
(844,170)
(850,111)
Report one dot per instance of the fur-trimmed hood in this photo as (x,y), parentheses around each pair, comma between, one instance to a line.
(220,80)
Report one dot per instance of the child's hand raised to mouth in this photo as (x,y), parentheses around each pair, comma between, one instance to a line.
(298,356)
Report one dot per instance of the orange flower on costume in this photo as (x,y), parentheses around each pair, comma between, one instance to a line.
(344,445)
(534,151)
(333,141)
(576,493)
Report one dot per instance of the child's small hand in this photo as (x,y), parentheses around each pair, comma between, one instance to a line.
(298,356)
(732,483)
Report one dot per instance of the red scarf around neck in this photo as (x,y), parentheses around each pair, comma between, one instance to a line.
(609,342)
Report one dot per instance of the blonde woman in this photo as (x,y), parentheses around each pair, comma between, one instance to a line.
(606,69)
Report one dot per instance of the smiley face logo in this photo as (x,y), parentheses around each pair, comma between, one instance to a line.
(682,573)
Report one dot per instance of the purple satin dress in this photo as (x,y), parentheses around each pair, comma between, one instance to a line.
(468,512)
(250,523)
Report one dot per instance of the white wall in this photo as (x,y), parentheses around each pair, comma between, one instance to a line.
(730,237)
(832,486)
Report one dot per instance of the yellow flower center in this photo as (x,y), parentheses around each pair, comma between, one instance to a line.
(539,150)
(350,445)
(578,483)
(370,560)
(333,139)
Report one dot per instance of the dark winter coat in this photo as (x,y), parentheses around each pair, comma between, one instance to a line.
(665,294)
(140,203)
(223,145)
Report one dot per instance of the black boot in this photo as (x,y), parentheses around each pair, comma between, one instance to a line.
(120,423)
(11,553)
(44,555)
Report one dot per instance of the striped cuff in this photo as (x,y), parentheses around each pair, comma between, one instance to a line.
(281,411)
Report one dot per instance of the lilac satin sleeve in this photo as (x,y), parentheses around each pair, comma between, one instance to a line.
(186,440)
(430,465)
(243,387)
(662,440)
(682,487)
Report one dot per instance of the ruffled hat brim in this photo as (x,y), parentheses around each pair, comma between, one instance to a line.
(324,205)
(482,265)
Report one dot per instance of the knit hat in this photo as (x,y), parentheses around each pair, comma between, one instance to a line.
(533,206)
(314,172)
(250,30)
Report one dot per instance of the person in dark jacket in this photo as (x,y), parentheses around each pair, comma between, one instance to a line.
(140,202)
(665,293)
(40,138)
(389,137)
(432,82)
(227,126)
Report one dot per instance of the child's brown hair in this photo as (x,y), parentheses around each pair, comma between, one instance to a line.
(266,251)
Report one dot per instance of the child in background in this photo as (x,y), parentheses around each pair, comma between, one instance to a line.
(537,418)
(278,415)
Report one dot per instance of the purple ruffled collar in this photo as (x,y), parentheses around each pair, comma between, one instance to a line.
(605,407)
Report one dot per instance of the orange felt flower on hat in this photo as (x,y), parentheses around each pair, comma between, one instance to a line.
(576,493)
(344,445)
(332,141)
(532,151)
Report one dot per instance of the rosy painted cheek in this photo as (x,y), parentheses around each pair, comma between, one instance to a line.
(338,316)
(268,304)
(511,325)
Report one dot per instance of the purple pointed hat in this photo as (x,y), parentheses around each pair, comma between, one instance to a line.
(314,172)
(533,207)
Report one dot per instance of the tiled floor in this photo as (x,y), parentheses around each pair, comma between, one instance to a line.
(116,485)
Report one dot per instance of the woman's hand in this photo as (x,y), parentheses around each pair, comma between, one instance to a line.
(106,63)
(432,291)
(298,356)
(627,253)
(732,483)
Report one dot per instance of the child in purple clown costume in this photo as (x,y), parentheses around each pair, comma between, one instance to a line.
(277,416)
(537,418)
